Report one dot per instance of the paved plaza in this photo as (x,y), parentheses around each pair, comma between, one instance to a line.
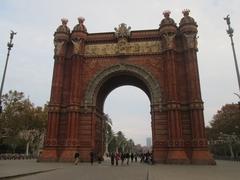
(31,170)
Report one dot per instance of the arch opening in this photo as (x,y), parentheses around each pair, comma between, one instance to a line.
(129,109)
(116,81)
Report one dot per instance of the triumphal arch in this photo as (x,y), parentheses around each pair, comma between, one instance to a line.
(162,62)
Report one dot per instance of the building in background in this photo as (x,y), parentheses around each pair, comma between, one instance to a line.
(149,142)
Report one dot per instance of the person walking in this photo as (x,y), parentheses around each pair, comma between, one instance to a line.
(122,158)
(132,156)
(91,157)
(77,158)
(142,157)
(99,158)
(112,159)
(135,157)
(127,157)
(117,157)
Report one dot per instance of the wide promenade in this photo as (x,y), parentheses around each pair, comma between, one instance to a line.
(31,170)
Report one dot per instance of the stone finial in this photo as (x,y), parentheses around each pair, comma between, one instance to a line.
(167,21)
(63,27)
(81,19)
(64,21)
(186,12)
(187,20)
(166,13)
(80,26)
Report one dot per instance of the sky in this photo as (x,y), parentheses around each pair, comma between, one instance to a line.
(30,65)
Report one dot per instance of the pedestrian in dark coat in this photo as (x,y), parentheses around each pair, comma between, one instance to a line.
(122,158)
(112,159)
(132,156)
(77,158)
(135,156)
(127,157)
(117,157)
(99,158)
(91,157)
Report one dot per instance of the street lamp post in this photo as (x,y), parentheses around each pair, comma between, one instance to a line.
(9,45)
(230,33)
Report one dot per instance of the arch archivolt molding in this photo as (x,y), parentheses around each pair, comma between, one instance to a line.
(98,80)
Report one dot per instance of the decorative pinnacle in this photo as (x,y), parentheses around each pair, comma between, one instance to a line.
(81,19)
(186,12)
(64,21)
(166,13)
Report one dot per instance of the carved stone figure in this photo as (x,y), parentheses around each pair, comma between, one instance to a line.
(191,40)
(58,44)
(77,44)
(169,38)
(122,31)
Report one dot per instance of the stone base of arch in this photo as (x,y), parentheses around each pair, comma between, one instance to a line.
(177,156)
(48,155)
(63,155)
(159,155)
(202,157)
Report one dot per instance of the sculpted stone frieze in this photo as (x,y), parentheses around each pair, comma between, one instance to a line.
(126,48)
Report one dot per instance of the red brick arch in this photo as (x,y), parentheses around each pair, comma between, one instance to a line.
(119,75)
(162,62)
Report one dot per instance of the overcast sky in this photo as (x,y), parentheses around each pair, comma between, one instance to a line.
(31,62)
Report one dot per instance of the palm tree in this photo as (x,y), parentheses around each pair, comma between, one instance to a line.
(108,132)
(130,145)
(121,141)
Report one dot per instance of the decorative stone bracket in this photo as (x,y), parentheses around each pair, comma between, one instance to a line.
(78,46)
(169,39)
(59,47)
(191,40)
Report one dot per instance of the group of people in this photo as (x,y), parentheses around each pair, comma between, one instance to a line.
(15,156)
(118,157)
(144,157)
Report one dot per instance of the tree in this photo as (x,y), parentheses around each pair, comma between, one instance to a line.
(13,106)
(20,119)
(115,142)
(130,145)
(224,130)
(227,120)
(120,141)
(108,132)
